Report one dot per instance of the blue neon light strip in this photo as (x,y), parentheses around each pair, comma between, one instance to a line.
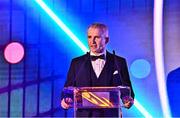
(141,109)
(159,61)
(79,43)
(62,25)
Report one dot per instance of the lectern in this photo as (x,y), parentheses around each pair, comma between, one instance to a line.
(97,97)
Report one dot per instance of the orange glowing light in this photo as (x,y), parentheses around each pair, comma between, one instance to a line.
(96,100)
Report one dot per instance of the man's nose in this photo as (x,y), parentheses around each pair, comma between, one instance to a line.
(94,40)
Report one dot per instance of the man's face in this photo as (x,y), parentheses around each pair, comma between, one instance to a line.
(97,40)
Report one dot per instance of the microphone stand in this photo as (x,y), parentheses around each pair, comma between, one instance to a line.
(117,67)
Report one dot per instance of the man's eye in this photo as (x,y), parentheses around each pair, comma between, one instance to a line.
(89,37)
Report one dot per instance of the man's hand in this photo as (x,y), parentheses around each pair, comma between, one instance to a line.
(127,101)
(66,103)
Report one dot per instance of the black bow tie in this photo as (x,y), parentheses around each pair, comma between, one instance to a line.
(93,58)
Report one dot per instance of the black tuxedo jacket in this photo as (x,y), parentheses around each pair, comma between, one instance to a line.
(114,73)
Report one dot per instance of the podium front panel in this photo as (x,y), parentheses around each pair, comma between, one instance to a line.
(97,97)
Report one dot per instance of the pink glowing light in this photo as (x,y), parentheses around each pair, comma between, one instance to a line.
(14,52)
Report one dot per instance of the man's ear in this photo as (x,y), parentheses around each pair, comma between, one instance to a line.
(107,40)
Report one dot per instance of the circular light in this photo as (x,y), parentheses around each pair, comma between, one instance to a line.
(14,52)
(140,68)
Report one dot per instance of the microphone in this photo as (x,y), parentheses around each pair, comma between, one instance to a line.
(124,91)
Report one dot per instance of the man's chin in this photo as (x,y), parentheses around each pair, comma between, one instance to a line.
(97,52)
(93,50)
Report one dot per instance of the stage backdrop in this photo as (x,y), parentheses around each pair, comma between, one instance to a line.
(32,87)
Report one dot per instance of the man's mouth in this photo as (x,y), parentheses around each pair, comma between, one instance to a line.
(93,46)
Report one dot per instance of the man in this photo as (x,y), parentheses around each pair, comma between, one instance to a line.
(98,68)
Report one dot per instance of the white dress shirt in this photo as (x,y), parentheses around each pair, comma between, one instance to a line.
(98,64)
